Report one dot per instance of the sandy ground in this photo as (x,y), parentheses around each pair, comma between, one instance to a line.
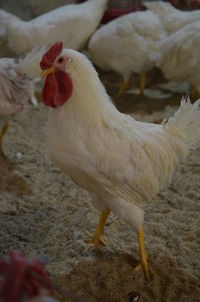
(43,213)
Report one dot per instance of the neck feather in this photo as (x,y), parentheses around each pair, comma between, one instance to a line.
(89,98)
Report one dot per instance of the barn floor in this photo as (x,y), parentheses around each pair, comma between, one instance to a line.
(43,213)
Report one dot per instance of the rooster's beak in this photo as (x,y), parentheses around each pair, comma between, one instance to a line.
(45,72)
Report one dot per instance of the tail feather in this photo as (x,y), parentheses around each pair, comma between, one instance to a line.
(186,120)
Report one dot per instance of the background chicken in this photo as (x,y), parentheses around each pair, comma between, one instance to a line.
(16,86)
(124,44)
(122,162)
(73,23)
(31,9)
(179,57)
(172,19)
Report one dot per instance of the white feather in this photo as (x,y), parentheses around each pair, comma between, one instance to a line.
(186,119)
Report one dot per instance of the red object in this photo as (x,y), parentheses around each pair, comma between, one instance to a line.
(173,2)
(21,277)
(114,11)
(194,3)
(49,57)
(57,89)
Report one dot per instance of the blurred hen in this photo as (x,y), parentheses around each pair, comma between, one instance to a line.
(74,24)
(172,19)
(16,86)
(124,44)
(179,57)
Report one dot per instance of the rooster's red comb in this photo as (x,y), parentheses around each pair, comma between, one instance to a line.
(49,57)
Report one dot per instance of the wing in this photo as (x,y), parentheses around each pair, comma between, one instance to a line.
(132,162)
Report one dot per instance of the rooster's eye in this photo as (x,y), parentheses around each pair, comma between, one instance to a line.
(60,60)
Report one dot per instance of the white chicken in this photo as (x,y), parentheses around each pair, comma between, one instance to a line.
(74,24)
(124,44)
(179,57)
(123,163)
(16,86)
(172,19)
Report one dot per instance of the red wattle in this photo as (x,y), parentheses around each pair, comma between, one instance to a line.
(57,89)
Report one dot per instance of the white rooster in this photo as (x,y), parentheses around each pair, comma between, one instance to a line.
(172,19)
(179,57)
(16,86)
(124,44)
(74,24)
(122,162)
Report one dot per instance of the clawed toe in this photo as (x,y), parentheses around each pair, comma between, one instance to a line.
(96,242)
(143,267)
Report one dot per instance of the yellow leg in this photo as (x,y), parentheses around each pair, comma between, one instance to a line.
(97,239)
(143,256)
(3,132)
(123,87)
(143,82)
